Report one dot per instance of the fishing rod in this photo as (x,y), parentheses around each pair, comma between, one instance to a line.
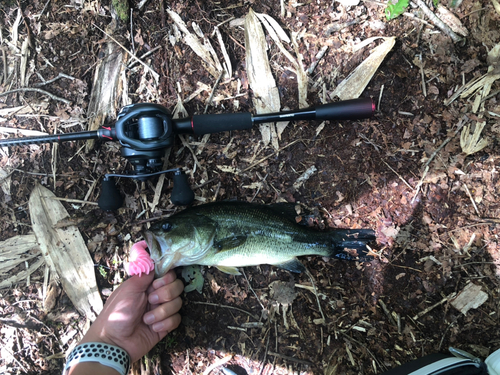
(146,130)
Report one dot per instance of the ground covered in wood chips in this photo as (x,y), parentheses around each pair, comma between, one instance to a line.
(403,173)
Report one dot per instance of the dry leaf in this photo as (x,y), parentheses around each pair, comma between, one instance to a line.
(17,250)
(451,20)
(355,83)
(204,50)
(471,143)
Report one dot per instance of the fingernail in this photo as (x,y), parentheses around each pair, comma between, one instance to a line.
(157,327)
(158,283)
(149,318)
(153,298)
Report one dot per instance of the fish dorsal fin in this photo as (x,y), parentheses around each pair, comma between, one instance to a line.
(230,243)
(229,270)
(292,265)
(288,211)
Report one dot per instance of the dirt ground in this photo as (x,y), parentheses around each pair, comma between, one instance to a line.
(403,173)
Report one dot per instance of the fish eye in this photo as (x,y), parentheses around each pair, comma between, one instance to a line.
(166,227)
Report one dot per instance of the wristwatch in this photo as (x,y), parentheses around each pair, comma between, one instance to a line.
(105,354)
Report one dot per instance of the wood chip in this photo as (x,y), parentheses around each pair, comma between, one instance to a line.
(65,251)
(471,297)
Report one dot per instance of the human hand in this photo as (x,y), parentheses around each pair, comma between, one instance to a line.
(139,314)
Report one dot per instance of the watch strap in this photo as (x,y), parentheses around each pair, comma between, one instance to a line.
(105,354)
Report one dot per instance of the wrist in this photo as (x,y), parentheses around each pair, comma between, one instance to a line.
(93,337)
(95,368)
(98,335)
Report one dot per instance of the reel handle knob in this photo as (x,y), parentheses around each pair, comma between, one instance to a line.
(110,198)
(182,195)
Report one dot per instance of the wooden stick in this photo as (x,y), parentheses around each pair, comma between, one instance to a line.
(59,76)
(422,75)
(387,312)
(290,359)
(316,295)
(430,308)
(397,174)
(437,21)
(75,201)
(216,84)
(218,363)
(225,306)
(426,165)
(270,155)
(4,58)
(52,96)
(155,75)
(472,199)
(380,97)
(253,291)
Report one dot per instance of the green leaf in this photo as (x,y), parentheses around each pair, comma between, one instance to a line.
(394,10)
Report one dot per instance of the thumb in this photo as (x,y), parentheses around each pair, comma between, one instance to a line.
(141,283)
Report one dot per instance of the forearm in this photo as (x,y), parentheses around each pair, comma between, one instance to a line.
(91,368)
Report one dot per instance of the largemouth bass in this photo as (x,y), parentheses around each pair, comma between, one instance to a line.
(229,234)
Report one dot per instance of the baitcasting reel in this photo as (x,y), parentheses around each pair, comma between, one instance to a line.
(146,130)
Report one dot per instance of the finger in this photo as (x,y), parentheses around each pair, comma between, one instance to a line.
(166,279)
(167,325)
(163,311)
(166,293)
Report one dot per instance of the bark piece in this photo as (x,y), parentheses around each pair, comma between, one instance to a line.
(106,89)
(65,251)
(266,97)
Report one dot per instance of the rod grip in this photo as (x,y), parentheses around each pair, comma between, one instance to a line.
(206,124)
(354,109)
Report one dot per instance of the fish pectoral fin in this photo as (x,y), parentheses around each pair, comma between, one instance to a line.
(229,270)
(293,265)
(229,243)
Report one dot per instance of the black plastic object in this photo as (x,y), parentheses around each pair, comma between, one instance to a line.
(354,109)
(137,123)
(207,124)
(110,198)
(182,195)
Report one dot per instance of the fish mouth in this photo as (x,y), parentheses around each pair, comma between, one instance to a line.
(153,246)
(161,256)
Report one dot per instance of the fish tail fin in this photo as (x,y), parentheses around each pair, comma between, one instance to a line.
(351,244)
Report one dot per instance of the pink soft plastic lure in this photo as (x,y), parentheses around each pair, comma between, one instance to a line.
(139,260)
